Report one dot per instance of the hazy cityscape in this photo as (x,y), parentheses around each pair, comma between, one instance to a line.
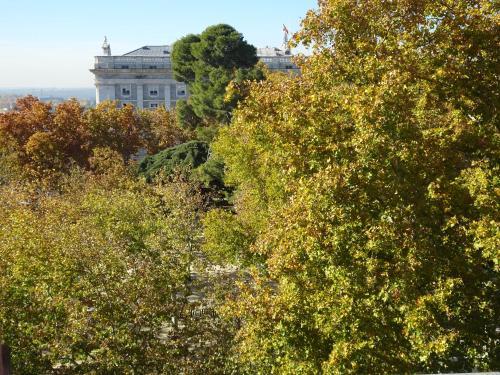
(8,96)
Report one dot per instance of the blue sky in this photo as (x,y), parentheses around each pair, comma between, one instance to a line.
(51,43)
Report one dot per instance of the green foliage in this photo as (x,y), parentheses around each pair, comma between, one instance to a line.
(211,174)
(208,63)
(191,159)
(367,195)
(185,115)
(188,155)
(222,46)
(183,58)
(208,93)
(96,279)
(207,133)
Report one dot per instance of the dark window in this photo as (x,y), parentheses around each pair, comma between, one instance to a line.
(152,67)
(124,66)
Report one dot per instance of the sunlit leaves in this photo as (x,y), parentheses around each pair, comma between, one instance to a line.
(44,142)
(96,278)
(367,194)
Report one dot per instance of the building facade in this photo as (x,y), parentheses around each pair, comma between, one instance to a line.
(278,59)
(143,77)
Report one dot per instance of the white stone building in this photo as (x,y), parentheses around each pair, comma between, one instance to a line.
(144,78)
(279,59)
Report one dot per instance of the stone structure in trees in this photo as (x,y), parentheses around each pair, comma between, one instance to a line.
(143,77)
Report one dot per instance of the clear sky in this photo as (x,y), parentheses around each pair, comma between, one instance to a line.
(51,43)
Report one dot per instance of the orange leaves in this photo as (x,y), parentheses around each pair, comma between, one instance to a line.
(41,146)
(117,128)
(160,130)
(51,140)
(29,117)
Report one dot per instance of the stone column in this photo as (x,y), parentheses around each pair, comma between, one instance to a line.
(140,96)
(105,92)
(167,96)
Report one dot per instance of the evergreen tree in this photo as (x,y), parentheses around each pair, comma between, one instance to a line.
(208,63)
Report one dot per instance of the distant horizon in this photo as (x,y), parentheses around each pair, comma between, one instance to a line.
(81,93)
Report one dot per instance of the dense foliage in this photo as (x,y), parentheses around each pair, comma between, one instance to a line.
(159,130)
(188,155)
(183,58)
(368,195)
(98,278)
(192,159)
(41,141)
(361,234)
(208,63)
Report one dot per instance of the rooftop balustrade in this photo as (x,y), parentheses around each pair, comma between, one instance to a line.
(132,62)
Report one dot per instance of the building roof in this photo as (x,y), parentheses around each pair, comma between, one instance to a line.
(166,50)
(151,51)
(270,51)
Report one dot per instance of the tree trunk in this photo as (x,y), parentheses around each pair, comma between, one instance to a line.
(4,360)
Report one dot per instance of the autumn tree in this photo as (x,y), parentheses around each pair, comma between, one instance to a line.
(367,195)
(103,277)
(23,132)
(42,141)
(160,130)
(114,127)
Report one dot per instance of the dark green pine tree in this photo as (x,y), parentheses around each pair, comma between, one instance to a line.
(208,63)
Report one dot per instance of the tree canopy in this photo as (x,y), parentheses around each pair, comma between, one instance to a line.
(362,234)
(367,195)
(97,279)
(207,63)
(183,58)
(43,141)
